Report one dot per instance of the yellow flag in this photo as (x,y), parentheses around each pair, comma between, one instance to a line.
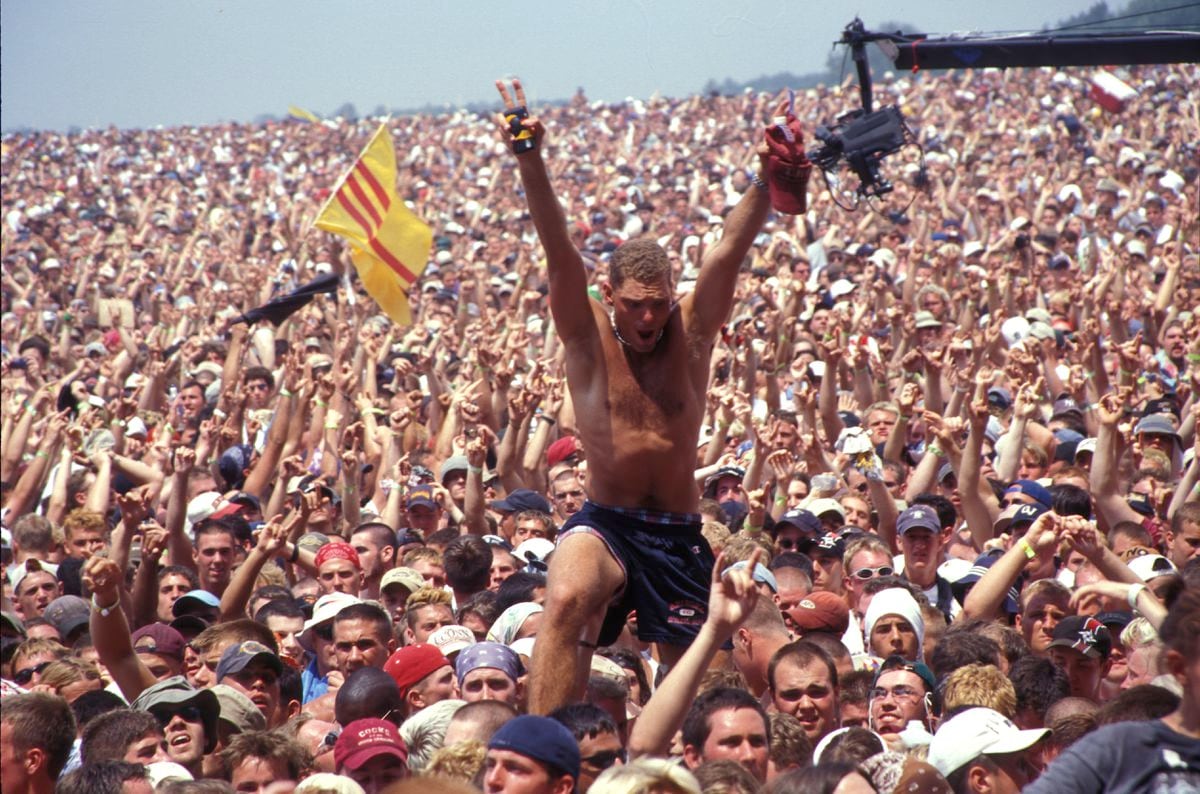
(297,112)
(389,245)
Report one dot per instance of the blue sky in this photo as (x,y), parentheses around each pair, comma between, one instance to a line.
(139,63)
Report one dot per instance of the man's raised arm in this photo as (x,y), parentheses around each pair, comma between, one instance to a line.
(569,302)
(706,308)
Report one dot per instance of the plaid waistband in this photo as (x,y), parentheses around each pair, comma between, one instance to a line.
(648,516)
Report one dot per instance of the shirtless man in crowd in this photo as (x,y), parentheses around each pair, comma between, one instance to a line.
(637,365)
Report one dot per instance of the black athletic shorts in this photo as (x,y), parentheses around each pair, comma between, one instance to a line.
(667,565)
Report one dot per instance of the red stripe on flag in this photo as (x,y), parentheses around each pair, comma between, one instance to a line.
(352,211)
(395,264)
(357,190)
(373,183)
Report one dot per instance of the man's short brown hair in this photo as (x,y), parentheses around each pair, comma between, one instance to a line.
(269,746)
(642,260)
(43,721)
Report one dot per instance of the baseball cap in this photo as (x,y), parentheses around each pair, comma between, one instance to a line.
(761,575)
(926,319)
(918,517)
(962,586)
(1033,489)
(422,496)
(159,638)
(560,450)
(533,552)
(172,694)
(830,545)
(1084,634)
(801,519)
(520,500)
(238,710)
(240,655)
(194,599)
(451,465)
(452,639)
(325,609)
(975,732)
(409,665)
(1156,425)
(542,739)
(408,578)
(18,571)
(364,739)
(819,507)
(821,610)
(67,614)
(1148,567)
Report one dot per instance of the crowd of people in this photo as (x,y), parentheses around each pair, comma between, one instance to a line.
(880,501)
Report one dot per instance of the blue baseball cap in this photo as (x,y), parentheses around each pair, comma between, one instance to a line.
(918,517)
(1033,489)
(240,655)
(542,739)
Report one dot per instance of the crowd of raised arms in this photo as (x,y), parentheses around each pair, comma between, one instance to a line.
(936,524)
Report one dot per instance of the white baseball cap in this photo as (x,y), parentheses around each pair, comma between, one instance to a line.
(976,732)
(326,608)
(1149,567)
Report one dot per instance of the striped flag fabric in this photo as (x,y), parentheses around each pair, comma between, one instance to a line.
(389,245)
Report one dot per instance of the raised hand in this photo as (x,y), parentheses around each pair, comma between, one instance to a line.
(733,595)
(104,579)
(522,131)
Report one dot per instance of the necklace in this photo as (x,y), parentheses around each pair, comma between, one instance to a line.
(612,321)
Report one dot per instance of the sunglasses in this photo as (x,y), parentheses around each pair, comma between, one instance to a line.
(187,714)
(23,677)
(605,759)
(871,573)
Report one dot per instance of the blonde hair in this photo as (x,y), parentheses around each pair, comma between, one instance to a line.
(461,762)
(427,596)
(980,685)
(741,548)
(646,775)
(67,671)
(717,535)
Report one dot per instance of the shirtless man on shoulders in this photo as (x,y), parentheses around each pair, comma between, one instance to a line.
(637,365)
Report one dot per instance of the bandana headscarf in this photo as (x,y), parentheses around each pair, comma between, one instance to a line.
(506,627)
(338,551)
(488,654)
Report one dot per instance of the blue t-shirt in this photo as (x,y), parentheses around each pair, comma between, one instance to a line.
(1125,757)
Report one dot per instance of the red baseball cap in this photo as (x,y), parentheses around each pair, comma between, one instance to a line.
(362,740)
(411,664)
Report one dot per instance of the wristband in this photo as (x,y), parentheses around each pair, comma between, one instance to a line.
(217,412)
(41,453)
(331,425)
(934,450)
(1194,358)
(1135,592)
(104,611)
(547,420)
(321,403)
(759,182)
(1024,546)
(285,393)
(119,423)
(474,469)
(295,553)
